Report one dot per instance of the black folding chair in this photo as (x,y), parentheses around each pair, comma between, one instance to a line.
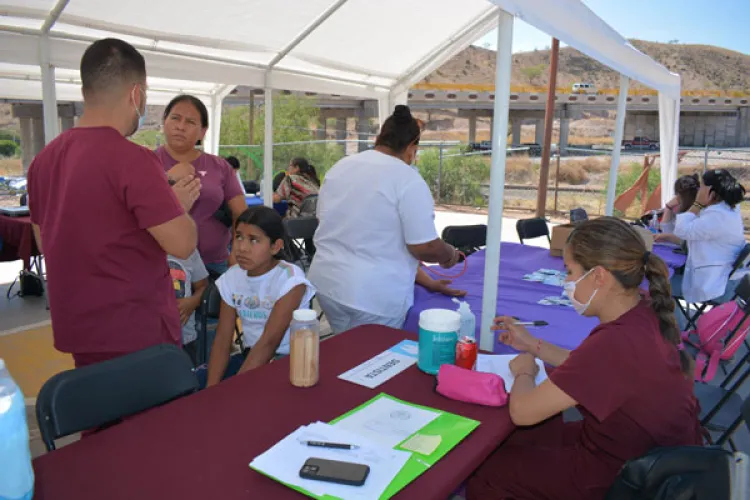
(102,394)
(209,308)
(299,233)
(578,215)
(467,239)
(532,228)
(722,408)
(742,261)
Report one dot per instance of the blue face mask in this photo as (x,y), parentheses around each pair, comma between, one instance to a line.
(141,117)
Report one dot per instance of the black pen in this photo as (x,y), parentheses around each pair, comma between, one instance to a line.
(337,446)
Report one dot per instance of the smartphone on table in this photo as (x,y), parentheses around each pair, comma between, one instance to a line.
(333,471)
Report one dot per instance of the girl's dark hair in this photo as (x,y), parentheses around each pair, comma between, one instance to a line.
(197,103)
(306,169)
(725,186)
(616,246)
(269,221)
(233,162)
(687,188)
(399,130)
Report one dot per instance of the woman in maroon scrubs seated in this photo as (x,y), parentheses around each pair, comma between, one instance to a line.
(628,379)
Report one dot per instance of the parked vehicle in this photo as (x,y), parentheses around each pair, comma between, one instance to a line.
(640,142)
(584,88)
(480,146)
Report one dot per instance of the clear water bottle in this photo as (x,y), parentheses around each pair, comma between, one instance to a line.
(16,474)
(654,224)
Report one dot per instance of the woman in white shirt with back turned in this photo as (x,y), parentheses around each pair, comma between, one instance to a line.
(376,223)
(715,235)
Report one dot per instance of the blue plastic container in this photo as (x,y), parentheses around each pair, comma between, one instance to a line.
(438,334)
(16,474)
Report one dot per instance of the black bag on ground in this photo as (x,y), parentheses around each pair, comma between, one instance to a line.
(679,473)
(31,284)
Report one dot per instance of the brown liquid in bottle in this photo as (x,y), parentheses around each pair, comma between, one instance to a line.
(303,362)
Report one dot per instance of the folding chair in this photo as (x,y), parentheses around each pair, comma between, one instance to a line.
(467,239)
(722,408)
(299,233)
(532,228)
(741,262)
(695,472)
(208,309)
(102,394)
(578,215)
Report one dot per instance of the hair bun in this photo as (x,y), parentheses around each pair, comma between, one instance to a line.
(402,114)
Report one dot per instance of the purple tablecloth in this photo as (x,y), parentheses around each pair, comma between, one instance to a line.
(519,298)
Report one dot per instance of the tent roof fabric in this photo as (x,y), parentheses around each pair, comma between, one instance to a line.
(349,47)
(358,48)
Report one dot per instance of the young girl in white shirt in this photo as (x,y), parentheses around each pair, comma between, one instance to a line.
(262,290)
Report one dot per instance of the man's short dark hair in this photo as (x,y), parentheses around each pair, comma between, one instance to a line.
(110,63)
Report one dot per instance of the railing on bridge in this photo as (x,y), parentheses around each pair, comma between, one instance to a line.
(528,89)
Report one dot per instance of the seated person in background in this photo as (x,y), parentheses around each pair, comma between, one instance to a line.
(715,235)
(628,379)
(262,290)
(235,164)
(301,181)
(685,189)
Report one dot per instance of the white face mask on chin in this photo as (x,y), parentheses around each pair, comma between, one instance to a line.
(570,291)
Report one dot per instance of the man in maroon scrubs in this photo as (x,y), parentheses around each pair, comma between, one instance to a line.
(106,217)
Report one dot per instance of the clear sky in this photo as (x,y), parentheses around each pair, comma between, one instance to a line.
(724,23)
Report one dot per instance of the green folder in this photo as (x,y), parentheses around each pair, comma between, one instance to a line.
(450,427)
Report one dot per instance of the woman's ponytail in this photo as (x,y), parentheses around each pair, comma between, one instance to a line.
(663,305)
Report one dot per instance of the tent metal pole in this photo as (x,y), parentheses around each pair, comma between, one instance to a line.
(497,178)
(268,145)
(49,93)
(622,102)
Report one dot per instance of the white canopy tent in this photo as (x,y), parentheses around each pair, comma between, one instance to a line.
(352,47)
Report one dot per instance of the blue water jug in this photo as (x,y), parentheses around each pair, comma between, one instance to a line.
(16,474)
(438,334)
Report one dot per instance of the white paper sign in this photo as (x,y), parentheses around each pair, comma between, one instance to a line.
(384,366)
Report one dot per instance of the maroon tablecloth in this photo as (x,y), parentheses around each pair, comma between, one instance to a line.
(17,236)
(200,446)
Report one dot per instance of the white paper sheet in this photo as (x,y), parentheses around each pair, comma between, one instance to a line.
(387,422)
(499,364)
(284,460)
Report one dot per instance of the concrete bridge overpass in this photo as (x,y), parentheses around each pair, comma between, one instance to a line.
(711,118)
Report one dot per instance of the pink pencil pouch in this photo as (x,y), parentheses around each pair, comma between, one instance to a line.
(486,389)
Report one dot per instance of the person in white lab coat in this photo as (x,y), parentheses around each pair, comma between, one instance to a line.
(376,224)
(714,232)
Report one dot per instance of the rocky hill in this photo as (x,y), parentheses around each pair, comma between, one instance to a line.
(702,67)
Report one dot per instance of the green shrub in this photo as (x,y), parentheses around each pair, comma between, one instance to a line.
(9,148)
(461,178)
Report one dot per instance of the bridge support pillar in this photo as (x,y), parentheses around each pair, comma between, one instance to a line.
(341,132)
(472,129)
(564,134)
(363,128)
(743,127)
(515,131)
(322,131)
(539,132)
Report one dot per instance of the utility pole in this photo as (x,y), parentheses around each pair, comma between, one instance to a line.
(549,118)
